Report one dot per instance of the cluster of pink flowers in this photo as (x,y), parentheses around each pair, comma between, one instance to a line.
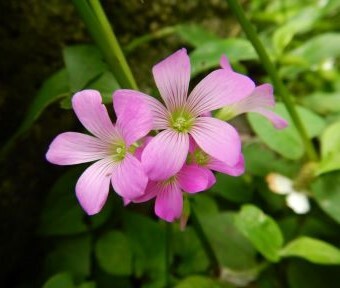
(187,145)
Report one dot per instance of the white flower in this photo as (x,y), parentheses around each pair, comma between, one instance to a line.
(296,200)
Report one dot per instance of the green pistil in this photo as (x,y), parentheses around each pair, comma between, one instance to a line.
(200,157)
(118,152)
(225,114)
(181,121)
(169,180)
(133,147)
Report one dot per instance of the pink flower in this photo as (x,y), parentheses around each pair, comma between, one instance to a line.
(260,100)
(169,192)
(182,116)
(199,157)
(112,148)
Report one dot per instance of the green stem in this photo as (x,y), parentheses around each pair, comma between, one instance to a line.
(205,242)
(271,70)
(100,29)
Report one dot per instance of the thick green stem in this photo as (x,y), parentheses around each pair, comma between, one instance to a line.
(271,70)
(100,29)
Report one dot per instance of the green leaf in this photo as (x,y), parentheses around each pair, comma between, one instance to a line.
(326,191)
(330,149)
(147,239)
(70,255)
(261,161)
(268,279)
(262,231)
(234,189)
(232,249)
(314,51)
(189,252)
(53,89)
(208,56)
(114,254)
(198,282)
(313,250)
(286,142)
(195,34)
(301,22)
(106,84)
(83,64)
(61,280)
(273,201)
(303,274)
(87,285)
(205,204)
(323,103)
(331,6)
(62,214)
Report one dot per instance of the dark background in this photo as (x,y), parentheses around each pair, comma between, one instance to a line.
(33,34)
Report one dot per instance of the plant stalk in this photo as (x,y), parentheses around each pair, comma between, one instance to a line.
(249,30)
(100,29)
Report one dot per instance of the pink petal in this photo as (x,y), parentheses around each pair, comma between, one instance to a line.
(165,155)
(134,119)
(220,88)
(192,144)
(222,167)
(224,63)
(151,191)
(263,96)
(139,150)
(211,180)
(169,202)
(93,186)
(126,201)
(128,178)
(277,121)
(125,96)
(218,139)
(73,148)
(87,105)
(193,178)
(172,76)
(259,101)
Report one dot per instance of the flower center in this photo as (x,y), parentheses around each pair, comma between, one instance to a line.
(170,180)
(118,152)
(200,157)
(181,121)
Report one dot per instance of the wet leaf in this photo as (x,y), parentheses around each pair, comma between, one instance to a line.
(114,253)
(262,231)
(208,56)
(62,280)
(330,149)
(195,35)
(286,142)
(313,250)
(326,191)
(83,64)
